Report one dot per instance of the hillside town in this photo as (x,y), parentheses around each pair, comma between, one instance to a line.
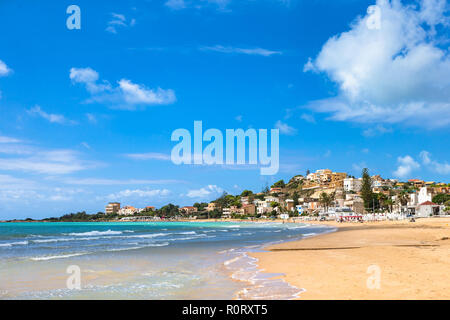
(322,194)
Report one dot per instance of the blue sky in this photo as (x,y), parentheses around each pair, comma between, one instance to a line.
(87,115)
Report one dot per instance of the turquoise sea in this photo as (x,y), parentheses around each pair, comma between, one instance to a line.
(148,260)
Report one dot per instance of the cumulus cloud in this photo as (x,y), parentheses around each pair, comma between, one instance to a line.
(406,166)
(4,69)
(248,51)
(137,94)
(127,95)
(89,78)
(439,167)
(205,192)
(397,73)
(285,128)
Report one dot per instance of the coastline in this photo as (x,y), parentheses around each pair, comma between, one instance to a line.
(412,258)
(159,257)
(258,278)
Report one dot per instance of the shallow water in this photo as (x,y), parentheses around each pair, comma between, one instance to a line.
(149,260)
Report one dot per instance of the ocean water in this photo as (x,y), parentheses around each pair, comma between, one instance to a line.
(148,260)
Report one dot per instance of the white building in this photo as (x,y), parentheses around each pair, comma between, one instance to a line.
(262,207)
(352,184)
(127,211)
(427,209)
(413,199)
(290,205)
(271,199)
(226,212)
(425,194)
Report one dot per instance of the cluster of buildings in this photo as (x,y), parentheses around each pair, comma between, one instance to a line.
(324,177)
(420,203)
(114,208)
(344,196)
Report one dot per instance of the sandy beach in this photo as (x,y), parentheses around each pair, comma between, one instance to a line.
(408,261)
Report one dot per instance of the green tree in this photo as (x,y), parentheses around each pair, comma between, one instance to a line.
(279,184)
(200,206)
(295,196)
(246,193)
(326,200)
(441,198)
(366,190)
(169,210)
(403,198)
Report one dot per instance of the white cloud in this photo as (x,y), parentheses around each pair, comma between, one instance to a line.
(26,191)
(118,21)
(285,128)
(40,161)
(148,156)
(406,166)
(137,193)
(4,69)
(86,145)
(11,148)
(432,12)
(441,168)
(8,182)
(248,51)
(37,166)
(376,131)
(136,94)
(395,74)
(107,182)
(127,95)
(197,4)
(89,78)
(91,118)
(205,192)
(175,4)
(4,139)
(53,118)
(308,118)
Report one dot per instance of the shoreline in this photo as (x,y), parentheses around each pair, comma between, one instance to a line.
(261,275)
(411,261)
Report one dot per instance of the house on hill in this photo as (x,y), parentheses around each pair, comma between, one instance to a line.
(188,210)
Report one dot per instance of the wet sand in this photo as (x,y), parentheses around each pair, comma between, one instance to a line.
(374,260)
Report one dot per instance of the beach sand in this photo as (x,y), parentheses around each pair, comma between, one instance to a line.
(413,260)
